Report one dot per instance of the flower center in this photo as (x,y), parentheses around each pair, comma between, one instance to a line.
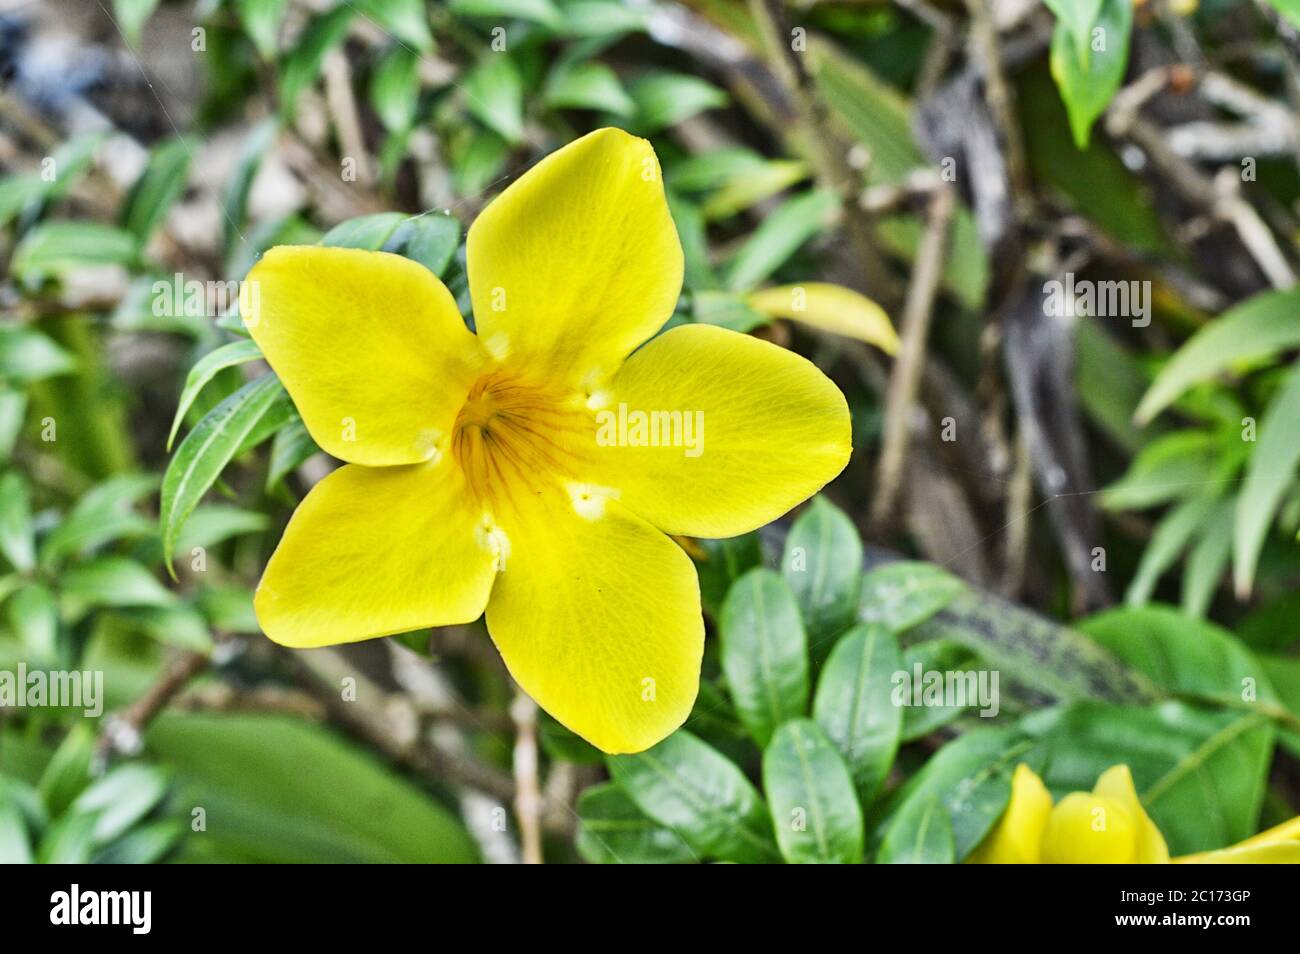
(513,436)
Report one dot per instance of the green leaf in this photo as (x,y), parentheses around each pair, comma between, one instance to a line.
(289,791)
(938,655)
(1254,330)
(34,617)
(1289,9)
(823,565)
(144,845)
(538,11)
(583,84)
(13,409)
(695,243)
(1207,561)
(405,20)
(495,92)
(111,581)
(741,192)
(1179,464)
(370,232)
(906,593)
(726,310)
(687,786)
(1170,537)
(121,798)
(764,652)
(430,239)
(211,524)
(1269,471)
(204,370)
(68,771)
(17,537)
(602,18)
(1078,15)
(854,704)
(395,89)
(15,844)
(664,99)
(782,233)
(1089,67)
(261,20)
(814,808)
(1188,657)
(206,451)
(1039,655)
(1201,774)
(54,249)
(68,841)
(612,830)
(290,448)
(27,355)
(160,185)
(921,834)
(971,779)
(722,563)
(303,65)
(130,16)
(101,515)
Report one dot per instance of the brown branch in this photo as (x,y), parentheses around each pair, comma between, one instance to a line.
(905,380)
(528,796)
(123,732)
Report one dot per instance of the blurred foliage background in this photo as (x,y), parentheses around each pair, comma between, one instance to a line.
(1103,508)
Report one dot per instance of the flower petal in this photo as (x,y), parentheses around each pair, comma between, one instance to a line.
(597,615)
(370,347)
(578,262)
(1117,783)
(761,429)
(1256,853)
(1018,835)
(832,308)
(376,551)
(1090,829)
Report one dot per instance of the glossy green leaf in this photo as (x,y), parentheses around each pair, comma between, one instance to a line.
(111,581)
(906,593)
(854,704)
(206,451)
(921,834)
(204,370)
(612,830)
(121,798)
(971,778)
(823,565)
(721,562)
(764,652)
(430,239)
(687,786)
(815,810)
(290,448)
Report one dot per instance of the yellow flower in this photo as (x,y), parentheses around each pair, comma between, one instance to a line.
(1105,826)
(535,469)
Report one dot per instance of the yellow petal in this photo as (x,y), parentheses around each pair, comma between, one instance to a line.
(376,551)
(832,308)
(1117,783)
(578,261)
(758,429)
(1089,829)
(1279,845)
(1258,853)
(1018,835)
(597,615)
(370,347)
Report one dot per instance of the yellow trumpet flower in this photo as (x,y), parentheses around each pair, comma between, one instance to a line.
(536,468)
(1106,826)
